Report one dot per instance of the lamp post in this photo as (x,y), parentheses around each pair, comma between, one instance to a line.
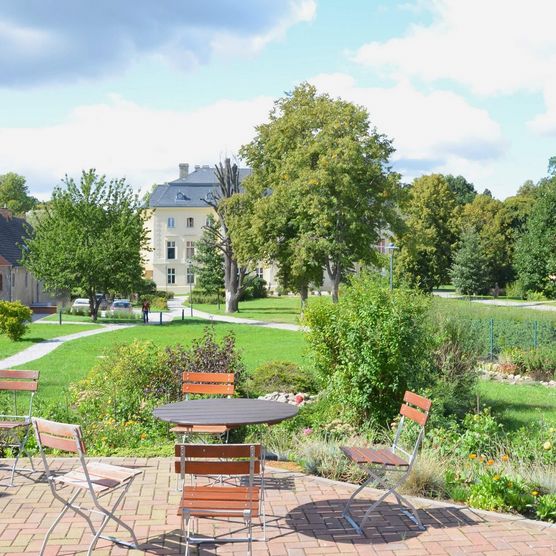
(391,248)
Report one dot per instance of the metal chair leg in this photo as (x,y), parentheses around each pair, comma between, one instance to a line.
(66,507)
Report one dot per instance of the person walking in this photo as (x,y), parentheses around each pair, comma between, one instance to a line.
(146,309)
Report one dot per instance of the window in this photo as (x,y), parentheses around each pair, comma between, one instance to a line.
(170,249)
(190,278)
(189,249)
(190,223)
(171,277)
(180,196)
(259,272)
(171,222)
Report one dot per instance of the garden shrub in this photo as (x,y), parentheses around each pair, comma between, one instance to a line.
(539,363)
(157,302)
(14,319)
(280,376)
(455,356)
(546,507)
(499,493)
(370,347)
(201,297)
(254,288)
(207,355)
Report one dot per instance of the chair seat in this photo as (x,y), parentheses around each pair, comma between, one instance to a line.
(14,424)
(200,429)
(217,501)
(103,477)
(379,456)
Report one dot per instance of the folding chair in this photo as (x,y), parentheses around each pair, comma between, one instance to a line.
(98,479)
(245,501)
(15,428)
(205,383)
(379,462)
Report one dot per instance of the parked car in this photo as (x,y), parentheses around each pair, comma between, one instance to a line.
(80,304)
(121,305)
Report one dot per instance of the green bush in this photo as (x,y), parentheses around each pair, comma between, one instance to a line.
(370,347)
(500,493)
(201,297)
(516,290)
(157,302)
(280,376)
(14,319)
(546,508)
(539,364)
(254,288)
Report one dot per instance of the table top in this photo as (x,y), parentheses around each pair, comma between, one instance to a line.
(232,412)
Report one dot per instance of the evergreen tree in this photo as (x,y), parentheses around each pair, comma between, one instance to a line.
(208,263)
(470,271)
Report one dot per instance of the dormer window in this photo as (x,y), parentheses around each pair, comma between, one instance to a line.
(180,196)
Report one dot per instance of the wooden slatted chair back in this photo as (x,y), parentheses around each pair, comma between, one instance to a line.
(208,383)
(60,436)
(12,380)
(218,459)
(420,413)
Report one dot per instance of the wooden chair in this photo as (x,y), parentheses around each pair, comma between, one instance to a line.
(99,480)
(245,500)
(208,384)
(380,461)
(15,428)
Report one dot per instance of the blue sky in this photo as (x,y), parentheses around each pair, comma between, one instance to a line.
(134,88)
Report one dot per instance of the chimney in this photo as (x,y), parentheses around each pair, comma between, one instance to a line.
(206,166)
(184,170)
(197,166)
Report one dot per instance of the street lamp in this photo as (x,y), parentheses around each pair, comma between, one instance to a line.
(391,248)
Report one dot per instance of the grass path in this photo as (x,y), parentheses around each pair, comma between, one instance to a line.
(71,361)
(36,333)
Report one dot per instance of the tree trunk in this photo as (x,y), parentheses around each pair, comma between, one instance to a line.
(231,283)
(304,293)
(334,274)
(93,307)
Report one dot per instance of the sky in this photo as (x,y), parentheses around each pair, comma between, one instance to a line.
(133,88)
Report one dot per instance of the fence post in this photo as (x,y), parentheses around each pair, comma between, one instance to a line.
(491,333)
(60,317)
(161,317)
(183,314)
(536,334)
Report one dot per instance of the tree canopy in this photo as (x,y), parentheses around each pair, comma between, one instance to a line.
(470,272)
(321,175)
(89,237)
(14,193)
(208,263)
(425,255)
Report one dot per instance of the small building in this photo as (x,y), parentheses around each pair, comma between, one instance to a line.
(178,211)
(16,282)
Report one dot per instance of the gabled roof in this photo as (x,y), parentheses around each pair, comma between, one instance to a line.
(12,232)
(189,191)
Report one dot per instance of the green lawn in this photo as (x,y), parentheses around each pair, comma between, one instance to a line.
(517,405)
(71,361)
(37,333)
(283,309)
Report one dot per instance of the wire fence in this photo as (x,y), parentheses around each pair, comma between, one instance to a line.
(498,335)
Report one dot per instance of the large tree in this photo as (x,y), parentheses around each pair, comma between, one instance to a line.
(463,190)
(323,170)
(223,201)
(89,237)
(535,258)
(14,193)
(470,272)
(492,221)
(425,246)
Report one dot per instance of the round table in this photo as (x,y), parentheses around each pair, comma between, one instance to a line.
(231,412)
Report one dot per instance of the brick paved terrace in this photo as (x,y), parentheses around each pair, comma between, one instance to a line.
(304,518)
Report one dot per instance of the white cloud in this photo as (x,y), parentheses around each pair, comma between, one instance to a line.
(45,42)
(121,138)
(436,131)
(490,46)
(545,124)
